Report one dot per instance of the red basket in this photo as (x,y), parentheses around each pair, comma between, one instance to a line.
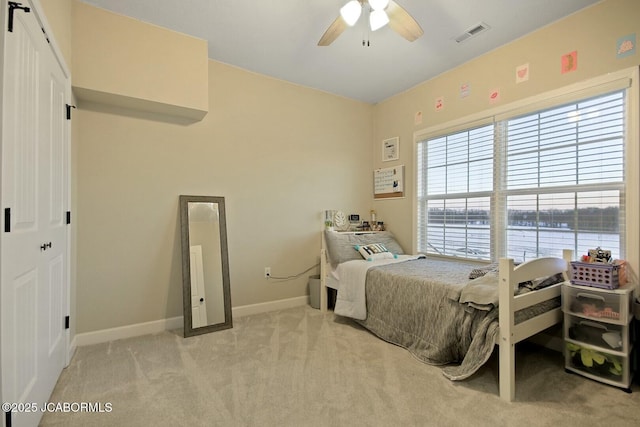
(607,276)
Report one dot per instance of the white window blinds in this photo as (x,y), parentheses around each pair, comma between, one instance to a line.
(526,186)
(564,181)
(455,176)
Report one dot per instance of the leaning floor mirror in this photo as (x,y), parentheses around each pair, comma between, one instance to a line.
(205,265)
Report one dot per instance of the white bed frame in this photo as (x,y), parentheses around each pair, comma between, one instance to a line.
(510,334)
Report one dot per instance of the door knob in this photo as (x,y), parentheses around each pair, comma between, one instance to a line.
(201,299)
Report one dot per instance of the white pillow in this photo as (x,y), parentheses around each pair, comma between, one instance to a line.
(374,251)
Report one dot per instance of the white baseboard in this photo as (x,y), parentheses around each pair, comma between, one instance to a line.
(112,334)
(135,330)
(71,350)
(264,307)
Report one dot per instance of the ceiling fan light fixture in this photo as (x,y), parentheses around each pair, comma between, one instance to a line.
(378,4)
(378,19)
(398,19)
(350,12)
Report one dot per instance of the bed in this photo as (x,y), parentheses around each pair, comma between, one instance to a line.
(400,298)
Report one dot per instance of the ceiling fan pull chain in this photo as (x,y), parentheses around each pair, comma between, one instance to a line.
(365,36)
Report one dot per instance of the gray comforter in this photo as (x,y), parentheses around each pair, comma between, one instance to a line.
(409,304)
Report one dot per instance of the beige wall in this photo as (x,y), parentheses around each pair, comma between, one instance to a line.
(592,32)
(58,13)
(280,154)
(122,61)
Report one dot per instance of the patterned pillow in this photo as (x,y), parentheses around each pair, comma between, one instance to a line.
(529,285)
(481,271)
(374,251)
(543,282)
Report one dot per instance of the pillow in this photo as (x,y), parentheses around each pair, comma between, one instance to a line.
(388,240)
(543,282)
(340,245)
(532,285)
(374,251)
(481,271)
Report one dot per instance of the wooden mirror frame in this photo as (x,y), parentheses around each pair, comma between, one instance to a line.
(189,330)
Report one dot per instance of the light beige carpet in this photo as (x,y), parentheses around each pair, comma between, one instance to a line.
(301,367)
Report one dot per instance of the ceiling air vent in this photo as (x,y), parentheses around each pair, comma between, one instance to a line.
(471,32)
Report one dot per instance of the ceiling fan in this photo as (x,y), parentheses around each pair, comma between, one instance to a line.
(381,13)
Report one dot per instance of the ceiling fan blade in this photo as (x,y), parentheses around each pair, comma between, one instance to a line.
(332,33)
(402,23)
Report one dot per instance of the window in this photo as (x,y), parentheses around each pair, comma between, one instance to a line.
(526,185)
(457,183)
(564,181)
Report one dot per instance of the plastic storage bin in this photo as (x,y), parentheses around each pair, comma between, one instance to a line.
(600,333)
(610,306)
(592,362)
(607,336)
(606,276)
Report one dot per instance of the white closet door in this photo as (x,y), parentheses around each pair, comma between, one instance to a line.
(34,240)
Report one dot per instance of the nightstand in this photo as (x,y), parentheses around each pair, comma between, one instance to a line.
(599,333)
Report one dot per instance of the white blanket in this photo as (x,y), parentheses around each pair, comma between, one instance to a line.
(351,300)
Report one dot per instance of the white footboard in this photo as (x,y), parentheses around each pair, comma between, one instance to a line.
(510,333)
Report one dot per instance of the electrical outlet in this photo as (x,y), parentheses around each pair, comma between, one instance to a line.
(267,272)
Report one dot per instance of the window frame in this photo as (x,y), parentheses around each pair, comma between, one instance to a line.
(626,80)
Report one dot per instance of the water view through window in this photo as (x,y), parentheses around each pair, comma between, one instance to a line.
(531,185)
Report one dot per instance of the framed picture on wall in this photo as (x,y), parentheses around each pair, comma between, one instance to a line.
(391,149)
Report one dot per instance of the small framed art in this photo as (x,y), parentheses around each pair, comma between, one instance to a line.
(391,149)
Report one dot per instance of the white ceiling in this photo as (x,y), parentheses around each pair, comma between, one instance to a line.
(279,38)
